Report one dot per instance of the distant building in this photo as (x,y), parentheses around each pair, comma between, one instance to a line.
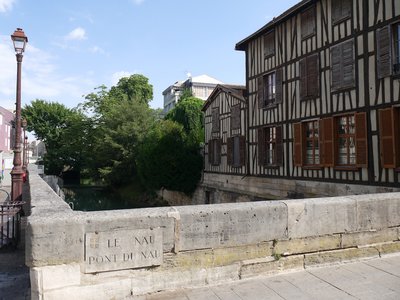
(6,129)
(201,87)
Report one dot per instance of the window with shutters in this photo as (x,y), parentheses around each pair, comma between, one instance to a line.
(235,117)
(214,151)
(346,140)
(341,10)
(396,39)
(306,143)
(270,89)
(312,143)
(342,60)
(269,44)
(215,120)
(309,77)
(270,148)
(308,23)
(389,137)
(236,146)
(351,140)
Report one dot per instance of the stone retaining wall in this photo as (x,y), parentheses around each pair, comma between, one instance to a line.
(116,254)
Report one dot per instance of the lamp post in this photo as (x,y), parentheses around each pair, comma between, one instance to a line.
(24,123)
(19,39)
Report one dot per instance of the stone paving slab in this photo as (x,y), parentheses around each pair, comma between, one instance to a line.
(368,279)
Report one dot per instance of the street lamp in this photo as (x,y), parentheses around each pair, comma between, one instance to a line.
(24,123)
(19,39)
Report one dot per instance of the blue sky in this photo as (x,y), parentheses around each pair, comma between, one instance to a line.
(75,46)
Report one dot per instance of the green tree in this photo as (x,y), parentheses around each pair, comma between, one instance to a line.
(121,116)
(168,159)
(123,128)
(135,87)
(64,131)
(188,113)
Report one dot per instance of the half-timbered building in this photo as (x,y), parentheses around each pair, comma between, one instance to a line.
(323,103)
(225,122)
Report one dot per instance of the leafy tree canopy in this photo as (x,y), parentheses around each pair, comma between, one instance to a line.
(124,126)
(135,87)
(64,131)
(188,113)
(168,159)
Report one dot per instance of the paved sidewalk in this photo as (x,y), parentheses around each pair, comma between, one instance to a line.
(14,275)
(370,279)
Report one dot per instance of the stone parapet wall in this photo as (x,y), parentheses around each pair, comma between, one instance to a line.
(96,254)
(232,186)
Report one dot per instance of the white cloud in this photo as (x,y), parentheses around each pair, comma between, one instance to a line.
(40,78)
(77,34)
(98,50)
(6,5)
(138,2)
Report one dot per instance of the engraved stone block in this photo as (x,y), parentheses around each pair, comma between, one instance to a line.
(123,249)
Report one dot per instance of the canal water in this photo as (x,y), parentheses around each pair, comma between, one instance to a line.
(91,198)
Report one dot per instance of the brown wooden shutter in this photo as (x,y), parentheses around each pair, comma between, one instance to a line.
(387,134)
(278,85)
(297,145)
(321,142)
(242,148)
(210,152)
(328,140)
(341,10)
(235,117)
(384,57)
(215,120)
(229,151)
(279,146)
(346,8)
(260,91)
(303,78)
(336,66)
(261,146)
(308,22)
(269,44)
(336,10)
(348,64)
(361,140)
(313,75)
(219,147)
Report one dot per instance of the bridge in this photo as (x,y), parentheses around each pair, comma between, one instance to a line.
(224,249)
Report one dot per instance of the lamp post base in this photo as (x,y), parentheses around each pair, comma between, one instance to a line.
(16,184)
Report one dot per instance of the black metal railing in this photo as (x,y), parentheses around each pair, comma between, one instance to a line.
(10,222)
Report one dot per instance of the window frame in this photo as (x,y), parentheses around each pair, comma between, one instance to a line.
(270,144)
(300,139)
(346,136)
(269,44)
(269,89)
(315,142)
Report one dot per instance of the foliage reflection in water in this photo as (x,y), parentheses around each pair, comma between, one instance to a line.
(92,198)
